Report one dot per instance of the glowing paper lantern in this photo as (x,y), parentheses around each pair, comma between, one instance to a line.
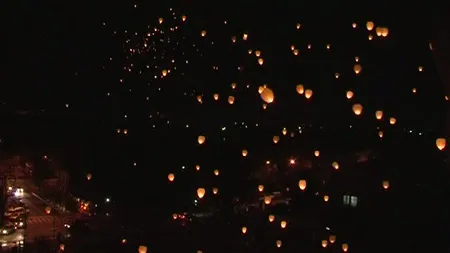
(201,192)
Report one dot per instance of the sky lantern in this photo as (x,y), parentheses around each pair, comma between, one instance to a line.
(276,139)
(249,51)
(171,177)
(271,218)
(354,25)
(302,184)
(231,100)
(370,37)
(379,114)
(233,86)
(183,18)
(164,72)
(345,247)
(216,172)
(370,25)
(378,31)
(441,143)
(260,61)
(203,33)
(201,139)
(298,26)
(295,52)
(324,243)
(284,131)
(356,59)
(332,238)
(160,20)
(328,46)
(142,249)
(420,68)
(200,99)
(326,198)
(380,134)
(264,106)
(392,120)
(267,95)
(308,93)
(197,167)
(357,109)
(215,190)
(335,165)
(316,153)
(300,89)
(267,200)
(244,230)
(337,75)
(257,53)
(279,243)
(260,188)
(357,68)
(244,153)
(89,176)
(283,224)
(201,192)
(233,39)
(260,89)
(385,184)
(216,96)
(245,36)
(384,31)
(48,210)
(349,94)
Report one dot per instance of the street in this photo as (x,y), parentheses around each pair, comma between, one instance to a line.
(12,240)
(39,223)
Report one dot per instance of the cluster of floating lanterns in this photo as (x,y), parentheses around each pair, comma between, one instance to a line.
(267,94)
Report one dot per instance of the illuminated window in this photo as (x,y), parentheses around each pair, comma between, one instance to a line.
(350,200)
(346,200)
(353,201)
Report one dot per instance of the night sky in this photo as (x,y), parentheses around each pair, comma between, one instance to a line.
(84,73)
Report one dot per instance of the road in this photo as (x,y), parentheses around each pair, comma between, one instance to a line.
(37,207)
(39,223)
(13,240)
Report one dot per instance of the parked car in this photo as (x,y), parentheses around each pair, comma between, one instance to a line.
(7,228)
(19,221)
(17,212)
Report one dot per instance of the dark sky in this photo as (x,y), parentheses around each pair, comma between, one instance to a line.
(55,52)
(50,42)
